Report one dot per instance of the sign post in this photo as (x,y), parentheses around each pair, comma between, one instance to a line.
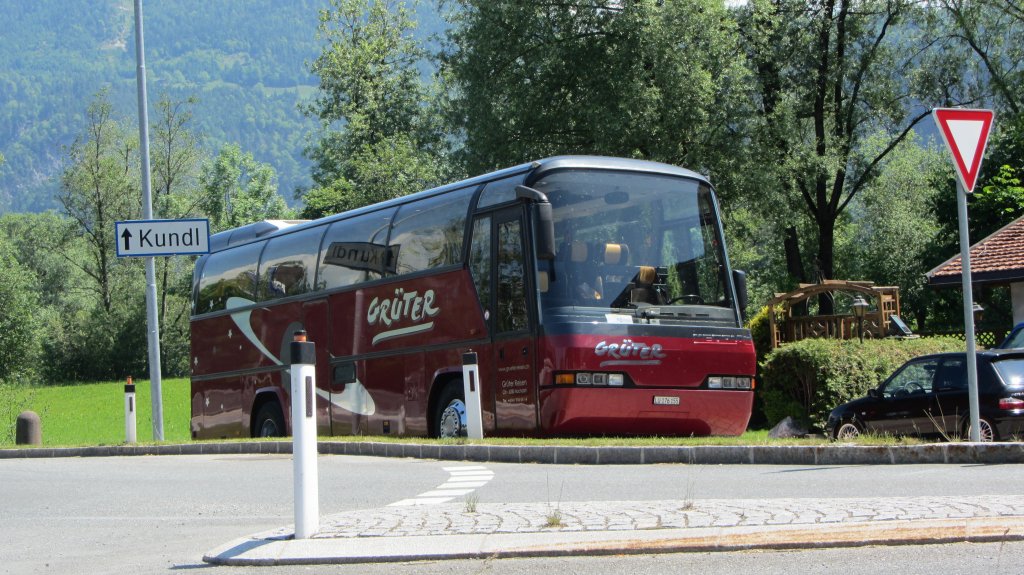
(152,315)
(129,411)
(966,134)
(304,449)
(149,238)
(471,391)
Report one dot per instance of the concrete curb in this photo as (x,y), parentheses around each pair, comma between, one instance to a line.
(272,549)
(832,454)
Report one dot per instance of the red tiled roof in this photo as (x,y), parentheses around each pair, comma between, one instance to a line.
(998,258)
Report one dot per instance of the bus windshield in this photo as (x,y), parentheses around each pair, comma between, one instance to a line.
(636,244)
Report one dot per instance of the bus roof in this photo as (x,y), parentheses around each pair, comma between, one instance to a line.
(539,168)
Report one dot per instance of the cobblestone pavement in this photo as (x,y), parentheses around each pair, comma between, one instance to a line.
(493,518)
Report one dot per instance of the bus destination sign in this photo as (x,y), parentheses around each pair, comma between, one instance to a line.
(139,238)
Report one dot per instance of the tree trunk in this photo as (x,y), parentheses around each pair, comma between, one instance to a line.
(826,261)
(794,264)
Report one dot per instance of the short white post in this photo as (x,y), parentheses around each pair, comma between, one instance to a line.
(129,411)
(307,508)
(471,391)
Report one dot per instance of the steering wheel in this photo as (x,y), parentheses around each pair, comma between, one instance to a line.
(914,387)
(688,298)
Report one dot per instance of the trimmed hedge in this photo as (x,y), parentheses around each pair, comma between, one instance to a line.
(809,378)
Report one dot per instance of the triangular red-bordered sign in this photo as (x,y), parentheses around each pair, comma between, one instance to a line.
(965,132)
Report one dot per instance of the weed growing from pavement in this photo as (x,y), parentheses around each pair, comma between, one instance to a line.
(471,501)
(554,516)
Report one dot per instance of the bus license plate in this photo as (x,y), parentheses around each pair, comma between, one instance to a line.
(666,400)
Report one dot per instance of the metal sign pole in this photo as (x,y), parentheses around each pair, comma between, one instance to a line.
(152,317)
(972,363)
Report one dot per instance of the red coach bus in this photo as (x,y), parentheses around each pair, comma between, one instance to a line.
(596,292)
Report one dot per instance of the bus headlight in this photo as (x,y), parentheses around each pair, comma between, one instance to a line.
(591,379)
(729,382)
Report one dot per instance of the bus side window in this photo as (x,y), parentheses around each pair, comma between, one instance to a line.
(288,264)
(429,233)
(500,192)
(228,274)
(355,251)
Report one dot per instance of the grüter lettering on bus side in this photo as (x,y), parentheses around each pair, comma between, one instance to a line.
(404,306)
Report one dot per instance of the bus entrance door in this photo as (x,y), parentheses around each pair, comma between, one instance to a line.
(515,392)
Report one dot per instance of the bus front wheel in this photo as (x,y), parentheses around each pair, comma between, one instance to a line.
(269,421)
(450,412)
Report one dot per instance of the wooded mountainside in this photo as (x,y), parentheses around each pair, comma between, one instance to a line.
(244,61)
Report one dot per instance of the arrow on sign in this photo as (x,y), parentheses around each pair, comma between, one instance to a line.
(127,235)
(966,134)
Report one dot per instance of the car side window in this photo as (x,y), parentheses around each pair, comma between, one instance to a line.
(913,379)
(952,376)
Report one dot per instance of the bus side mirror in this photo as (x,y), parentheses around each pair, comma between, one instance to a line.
(544,221)
(739,280)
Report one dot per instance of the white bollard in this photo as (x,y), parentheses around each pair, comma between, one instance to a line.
(129,411)
(471,391)
(303,393)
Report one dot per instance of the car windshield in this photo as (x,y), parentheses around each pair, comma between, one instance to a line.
(627,242)
(1011,371)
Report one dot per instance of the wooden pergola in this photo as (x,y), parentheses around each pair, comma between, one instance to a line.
(786,327)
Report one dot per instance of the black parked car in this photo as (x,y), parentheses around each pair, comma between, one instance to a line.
(927,396)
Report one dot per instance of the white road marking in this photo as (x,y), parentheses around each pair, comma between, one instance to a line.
(463,481)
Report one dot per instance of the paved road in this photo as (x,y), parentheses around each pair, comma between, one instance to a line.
(155,514)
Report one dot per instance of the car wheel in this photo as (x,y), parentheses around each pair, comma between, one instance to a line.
(986,431)
(269,421)
(846,431)
(450,412)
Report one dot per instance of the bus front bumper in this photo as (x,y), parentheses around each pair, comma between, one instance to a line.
(644,411)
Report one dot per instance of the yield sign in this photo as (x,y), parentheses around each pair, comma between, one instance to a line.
(965,133)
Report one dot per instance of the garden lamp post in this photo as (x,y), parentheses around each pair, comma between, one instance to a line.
(977,311)
(860,307)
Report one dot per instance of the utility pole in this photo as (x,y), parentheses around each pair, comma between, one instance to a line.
(152,317)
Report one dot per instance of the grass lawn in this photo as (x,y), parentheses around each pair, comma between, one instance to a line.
(93,413)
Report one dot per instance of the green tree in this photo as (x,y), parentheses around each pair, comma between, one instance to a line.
(98,188)
(895,226)
(51,247)
(380,133)
(832,74)
(20,329)
(991,30)
(176,160)
(239,190)
(657,80)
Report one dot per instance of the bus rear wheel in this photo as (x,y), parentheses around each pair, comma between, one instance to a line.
(450,412)
(269,421)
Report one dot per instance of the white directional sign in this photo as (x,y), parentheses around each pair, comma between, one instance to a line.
(162,237)
(965,132)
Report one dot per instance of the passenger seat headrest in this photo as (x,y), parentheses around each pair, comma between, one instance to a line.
(616,254)
(646,275)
